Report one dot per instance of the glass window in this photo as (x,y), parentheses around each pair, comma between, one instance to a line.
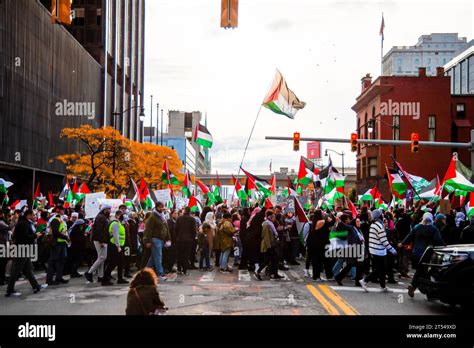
(460,111)
(471,74)
(399,61)
(457,79)
(463,77)
(417,62)
(432,128)
(396,128)
(373,166)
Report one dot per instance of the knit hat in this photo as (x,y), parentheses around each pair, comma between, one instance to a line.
(440,216)
(377,214)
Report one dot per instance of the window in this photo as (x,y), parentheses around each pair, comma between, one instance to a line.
(399,61)
(444,61)
(428,61)
(396,128)
(460,111)
(399,69)
(373,166)
(432,128)
(188,120)
(417,62)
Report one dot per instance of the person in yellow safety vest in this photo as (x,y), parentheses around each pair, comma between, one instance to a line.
(115,250)
(58,253)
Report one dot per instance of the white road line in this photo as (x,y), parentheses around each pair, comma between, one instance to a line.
(296,275)
(208,277)
(283,274)
(374,290)
(244,276)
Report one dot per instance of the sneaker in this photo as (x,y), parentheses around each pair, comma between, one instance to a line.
(163,278)
(338,281)
(230,269)
(89,277)
(257,276)
(411,290)
(39,288)
(276,277)
(14,293)
(386,290)
(224,271)
(363,285)
(122,281)
(306,273)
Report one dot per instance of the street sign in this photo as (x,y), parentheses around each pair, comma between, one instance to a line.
(313,150)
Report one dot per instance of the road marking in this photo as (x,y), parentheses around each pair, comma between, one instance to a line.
(208,277)
(375,290)
(283,274)
(339,301)
(244,275)
(297,276)
(325,303)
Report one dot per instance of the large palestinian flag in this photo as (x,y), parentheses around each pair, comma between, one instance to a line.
(202,136)
(432,192)
(206,192)
(144,194)
(397,185)
(281,100)
(239,190)
(187,186)
(458,177)
(4,185)
(371,195)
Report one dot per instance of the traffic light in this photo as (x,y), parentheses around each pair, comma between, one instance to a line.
(414,142)
(354,138)
(62,16)
(296,141)
(229,13)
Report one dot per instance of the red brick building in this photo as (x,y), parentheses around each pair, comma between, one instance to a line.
(393,107)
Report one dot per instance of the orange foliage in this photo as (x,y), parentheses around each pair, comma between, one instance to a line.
(109,160)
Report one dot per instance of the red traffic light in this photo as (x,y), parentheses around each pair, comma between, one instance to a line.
(415,138)
(296,141)
(354,138)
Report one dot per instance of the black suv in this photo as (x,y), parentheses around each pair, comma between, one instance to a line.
(447,274)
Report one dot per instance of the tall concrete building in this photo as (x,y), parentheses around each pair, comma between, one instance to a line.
(118,45)
(461,71)
(431,51)
(182,124)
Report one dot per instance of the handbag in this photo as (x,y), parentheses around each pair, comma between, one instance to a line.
(157,311)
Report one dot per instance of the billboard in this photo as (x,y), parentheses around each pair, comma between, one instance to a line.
(313,150)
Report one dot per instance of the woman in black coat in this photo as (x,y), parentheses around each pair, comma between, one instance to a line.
(244,260)
(254,237)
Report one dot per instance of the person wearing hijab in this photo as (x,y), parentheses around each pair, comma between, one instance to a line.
(423,235)
(460,222)
(378,247)
(254,237)
(78,245)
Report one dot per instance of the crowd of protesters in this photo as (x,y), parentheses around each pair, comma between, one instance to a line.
(262,241)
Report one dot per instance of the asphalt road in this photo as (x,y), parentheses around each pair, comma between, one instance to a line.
(237,293)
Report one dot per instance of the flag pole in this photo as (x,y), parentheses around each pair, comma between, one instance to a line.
(381,45)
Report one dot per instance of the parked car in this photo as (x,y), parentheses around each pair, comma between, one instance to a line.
(447,274)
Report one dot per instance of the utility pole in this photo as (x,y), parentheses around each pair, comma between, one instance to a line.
(151,118)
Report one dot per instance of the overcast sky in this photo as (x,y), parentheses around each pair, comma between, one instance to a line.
(322,48)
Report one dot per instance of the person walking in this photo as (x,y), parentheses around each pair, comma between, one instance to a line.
(422,236)
(24,234)
(100,237)
(156,235)
(78,246)
(59,241)
(378,247)
(5,239)
(185,236)
(169,254)
(115,251)
(269,247)
(318,239)
(225,232)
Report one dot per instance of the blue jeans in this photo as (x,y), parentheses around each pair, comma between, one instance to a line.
(156,256)
(205,257)
(337,268)
(224,259)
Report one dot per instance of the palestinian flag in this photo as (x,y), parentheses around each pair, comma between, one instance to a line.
(206,192)
(353,208)
(68,203)
(418,182)
(173,179)
(306,172)
(37,196)
(83,191)
(165,173)
(273,184)
(239,189)
(397,186)
(458,177)
(50,199)
(268,203)
(470,205)
(187,186)
(64,192)
(193,204)
(260,184)
(202,136)
(332,196)
(19,205)
(217,191)
(136,195)
(301,218)
(144,195)
(380,204)
(281,100)
(338,237)
(4,185)
(431,192)
(371,195)
(334,181)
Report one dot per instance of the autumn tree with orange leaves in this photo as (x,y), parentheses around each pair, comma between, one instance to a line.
(108,160)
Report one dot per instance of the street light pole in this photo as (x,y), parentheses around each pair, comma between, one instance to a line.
(342,154)
(161,141)
(157,122)
(151,118)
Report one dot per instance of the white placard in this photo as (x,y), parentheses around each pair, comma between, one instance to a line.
(91,204)
(114,203)
(163,196)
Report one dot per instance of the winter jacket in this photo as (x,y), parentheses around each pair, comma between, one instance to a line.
(155,227)
(100,229)
(4,232)
(268,237)
(25,232)
(423,236)
(378,243)
(225,231)
(185,229)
